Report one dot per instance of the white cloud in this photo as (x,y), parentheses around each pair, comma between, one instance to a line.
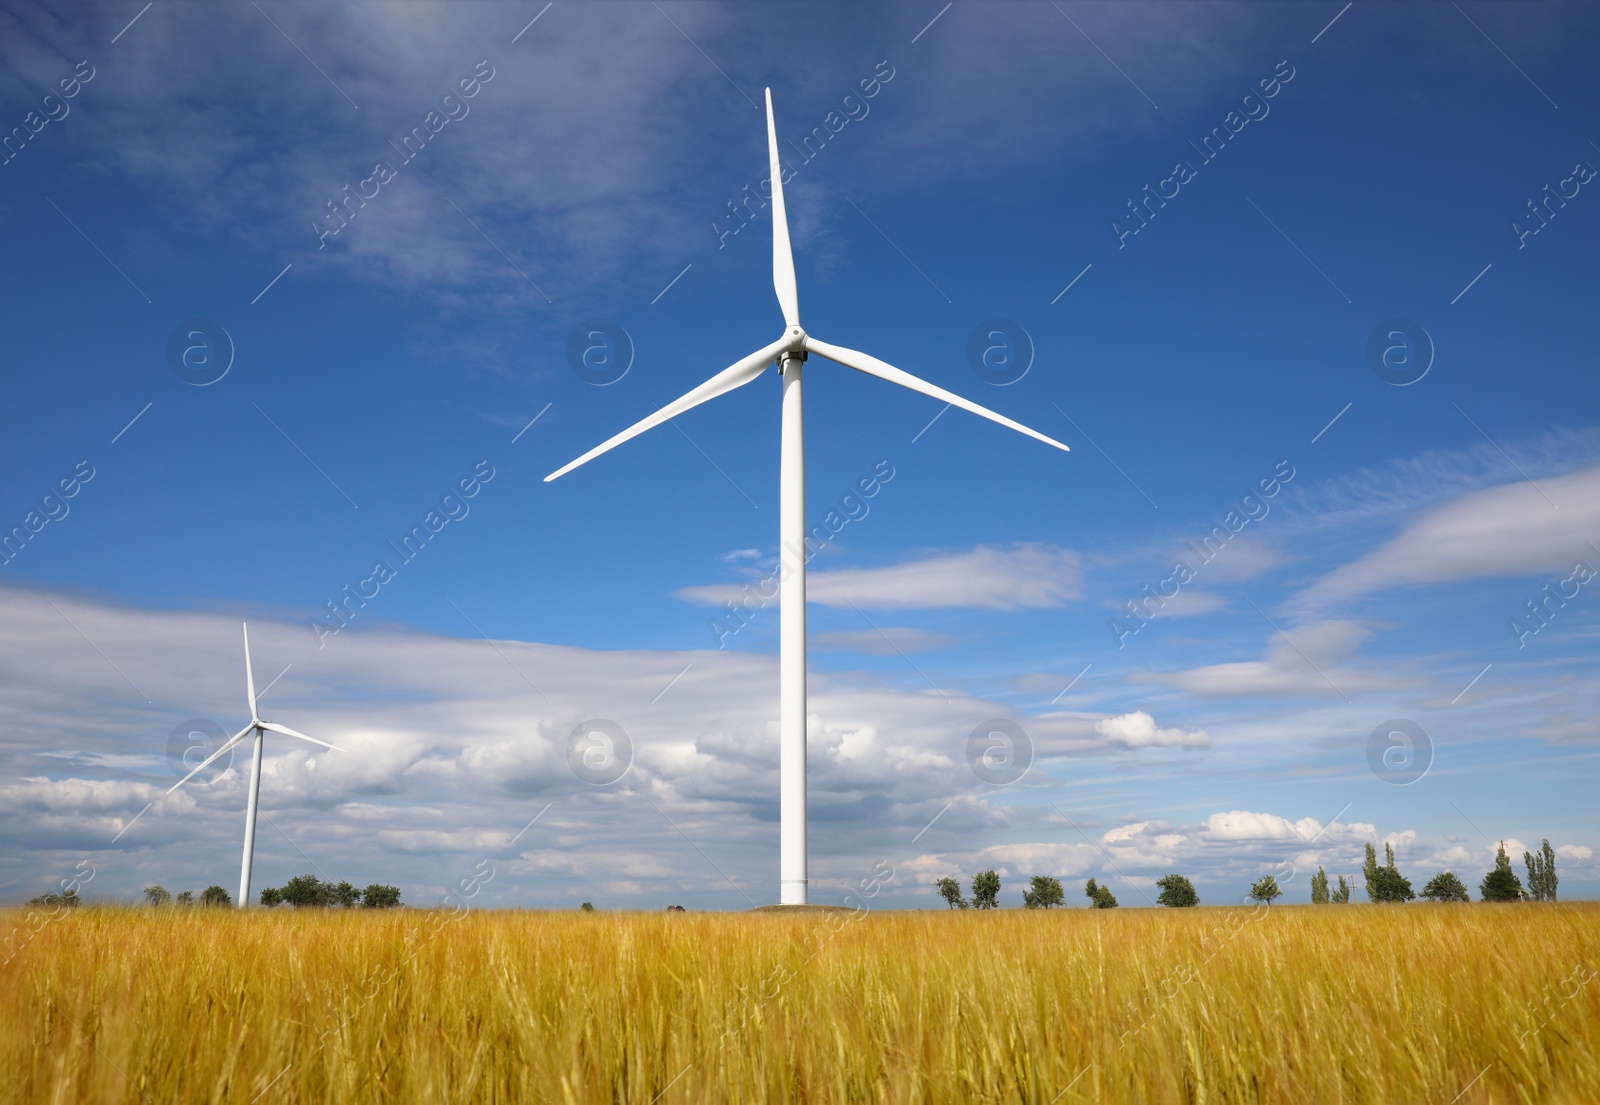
(1302,662)
(1408,486)
(1241,559)
(1578,852)
(564,154)
(991,577)
(884,641)
(1011,861)
(1519,528)
(1233,847)
(452,754)
(1190,603)
(451,751)
(1452,857)
(1243,825)
(1139,730)
(1514,849)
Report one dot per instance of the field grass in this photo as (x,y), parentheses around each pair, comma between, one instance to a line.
(1353,1004)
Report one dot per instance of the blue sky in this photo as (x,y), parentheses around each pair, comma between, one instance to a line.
(1370,173)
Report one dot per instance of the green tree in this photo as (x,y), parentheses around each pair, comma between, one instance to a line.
(157,895)
(1445,887)
(343,895)
(1541,873)
(271,896)
(215,895)
(586,907)
(1265,890)
(1388,884)
(986,890)
(379,896)
(1501,884)
(305,890)
(1100,897)
(1319,887)
(1342,895)
(69,899)
(950,891)
(185,897)
(1176,891)
(1369,873)
(1043,893)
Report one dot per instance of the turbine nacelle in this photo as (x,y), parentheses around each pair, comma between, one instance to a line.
(796,351)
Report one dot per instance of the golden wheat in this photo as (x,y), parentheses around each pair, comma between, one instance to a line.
(1358,1004)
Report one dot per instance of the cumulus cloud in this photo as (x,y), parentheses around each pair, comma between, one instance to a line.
(457,753)
(452,747)
(1230,846)
(1243,825)
(1139,730)
(1514,849)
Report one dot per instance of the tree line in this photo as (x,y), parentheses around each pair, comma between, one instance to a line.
(306,891)
(1044,892)
(1383,883)
(158,895)
(300,891)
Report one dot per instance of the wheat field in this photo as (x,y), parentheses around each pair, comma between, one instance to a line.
(1354,1004)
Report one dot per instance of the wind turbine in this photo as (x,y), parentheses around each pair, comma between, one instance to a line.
(789,353)
(260,729)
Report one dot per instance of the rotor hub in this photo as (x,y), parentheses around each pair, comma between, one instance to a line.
(796,351)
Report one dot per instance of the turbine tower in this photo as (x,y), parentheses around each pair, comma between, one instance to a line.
(260,729)
(789,354)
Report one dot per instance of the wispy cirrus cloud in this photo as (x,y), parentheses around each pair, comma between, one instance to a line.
(885,640)
(1514,529)
(1310,660)
(629,98)
(990,577)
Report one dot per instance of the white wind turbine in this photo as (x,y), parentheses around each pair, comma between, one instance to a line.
(260,729)
(789,353)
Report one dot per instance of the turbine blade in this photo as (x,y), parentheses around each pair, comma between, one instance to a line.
(237,737)
(735,375)
(249,676)
(288,732)
(782,258)
(861,362)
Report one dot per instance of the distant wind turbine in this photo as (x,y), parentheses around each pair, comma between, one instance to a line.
(789,353)
(260,729)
